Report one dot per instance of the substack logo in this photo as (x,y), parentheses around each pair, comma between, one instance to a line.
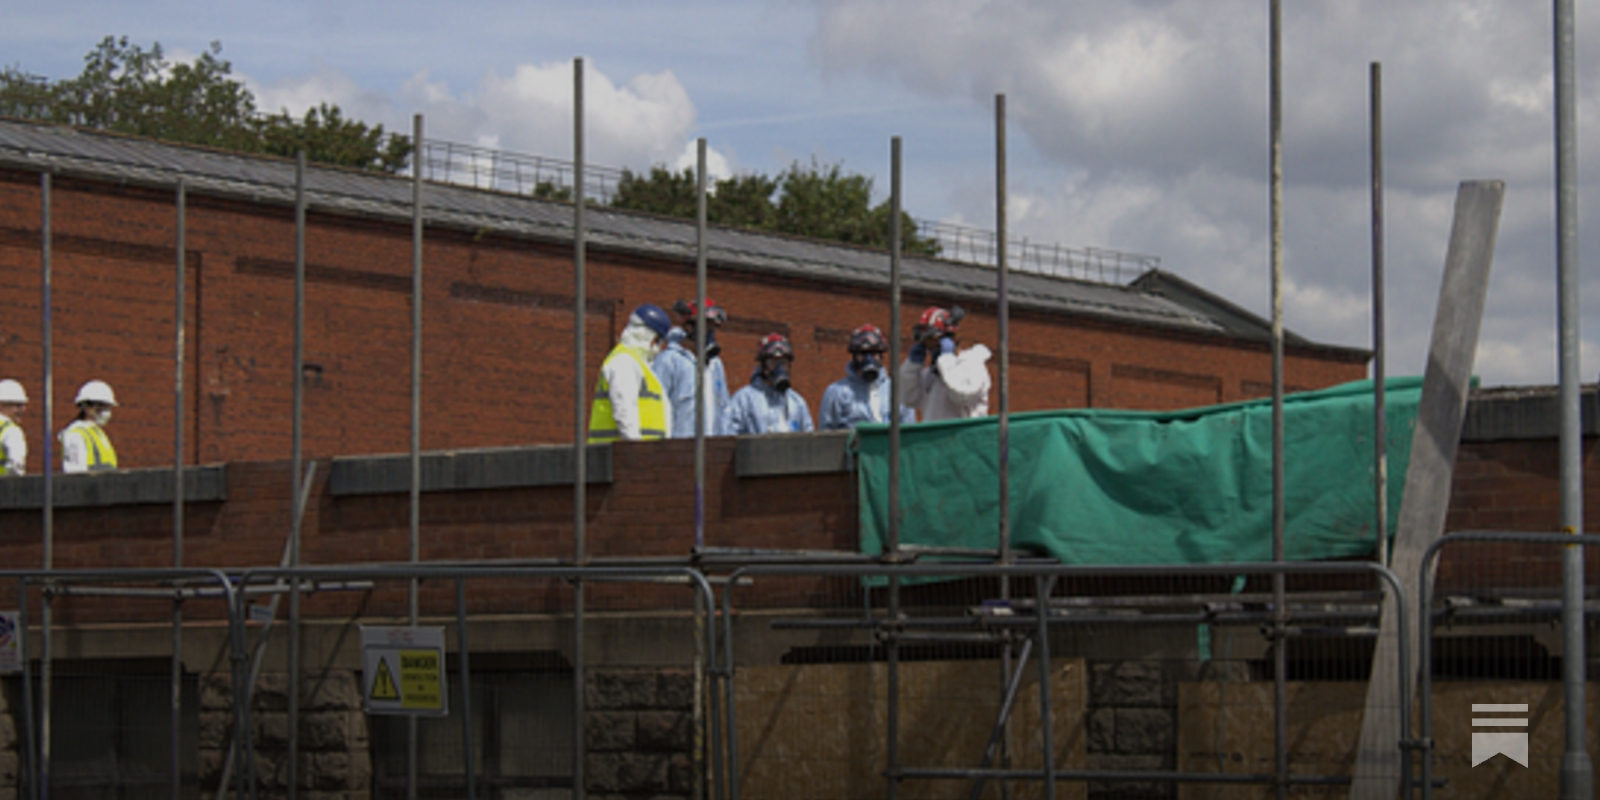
(1490,742)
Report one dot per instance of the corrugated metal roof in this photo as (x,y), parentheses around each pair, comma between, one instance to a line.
(98,155)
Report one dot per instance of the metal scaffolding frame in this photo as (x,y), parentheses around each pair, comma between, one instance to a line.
(896,560)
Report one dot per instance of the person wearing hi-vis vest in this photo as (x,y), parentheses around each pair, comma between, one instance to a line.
(13,445)
(628,400)
(84,444)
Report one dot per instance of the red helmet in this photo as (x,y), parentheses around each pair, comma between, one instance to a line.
(939,320)
(775,345)
(689,310)
(867,339)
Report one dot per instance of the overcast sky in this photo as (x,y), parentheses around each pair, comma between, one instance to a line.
(1137,125)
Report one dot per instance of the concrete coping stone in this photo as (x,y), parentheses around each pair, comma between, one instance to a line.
(792,454)
(458,470)
(206,483)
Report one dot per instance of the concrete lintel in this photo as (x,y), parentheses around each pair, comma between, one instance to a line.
(201,484)
(792,454)
(1524,413)
(459,470)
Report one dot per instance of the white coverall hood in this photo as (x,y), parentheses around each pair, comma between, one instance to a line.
(640,337)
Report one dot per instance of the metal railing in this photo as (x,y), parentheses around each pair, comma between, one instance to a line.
(1507,592)
(518,173)
(1006,624)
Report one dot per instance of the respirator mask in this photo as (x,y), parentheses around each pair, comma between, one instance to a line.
(776,373)
(869,366)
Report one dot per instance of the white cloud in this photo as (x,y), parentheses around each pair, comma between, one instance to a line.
(529,110)
(718,166)
(1150,120)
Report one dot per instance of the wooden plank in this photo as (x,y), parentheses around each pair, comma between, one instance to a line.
(1433,454)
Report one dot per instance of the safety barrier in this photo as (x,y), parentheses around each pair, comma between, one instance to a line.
(926,638)
(1490,613)
(510,642)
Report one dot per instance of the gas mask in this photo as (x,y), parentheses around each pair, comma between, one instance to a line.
(776,373)
(868,365)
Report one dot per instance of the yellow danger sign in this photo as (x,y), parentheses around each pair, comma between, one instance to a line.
(421,680)
(403,671)
(383,687)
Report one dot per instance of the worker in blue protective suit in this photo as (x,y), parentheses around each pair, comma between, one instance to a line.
(862,395)
(768,404)
(675,367)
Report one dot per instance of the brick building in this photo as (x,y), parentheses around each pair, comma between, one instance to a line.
(497,301)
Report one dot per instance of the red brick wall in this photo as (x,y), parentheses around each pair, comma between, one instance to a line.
(498,330)
(647,512)
(1513,486)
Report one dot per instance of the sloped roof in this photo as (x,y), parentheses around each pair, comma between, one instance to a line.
(262,179)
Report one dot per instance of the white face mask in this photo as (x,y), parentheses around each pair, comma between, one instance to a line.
(102,416)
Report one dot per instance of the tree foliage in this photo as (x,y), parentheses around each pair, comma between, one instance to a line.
(127,89)
(814,201)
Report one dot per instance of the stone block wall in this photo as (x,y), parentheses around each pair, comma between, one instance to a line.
(335,760)
(1133,719)
(639,734)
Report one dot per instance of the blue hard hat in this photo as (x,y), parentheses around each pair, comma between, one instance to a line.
(654,318)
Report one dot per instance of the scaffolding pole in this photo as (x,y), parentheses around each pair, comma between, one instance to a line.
(292,770)
(892,656)
(1280,693)
(1577,773)
(175,765)
(416,425)
(580,452)
(42,776)
(1380,422)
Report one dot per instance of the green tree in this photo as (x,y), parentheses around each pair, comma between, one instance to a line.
(128,89)
(812,201)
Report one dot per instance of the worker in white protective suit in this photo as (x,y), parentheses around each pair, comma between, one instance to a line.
(956,384)
(13,445)
(628,400)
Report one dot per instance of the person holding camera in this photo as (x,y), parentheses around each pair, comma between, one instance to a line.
(956,384)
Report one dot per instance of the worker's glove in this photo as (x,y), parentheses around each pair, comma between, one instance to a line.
(919,352)
(947,346)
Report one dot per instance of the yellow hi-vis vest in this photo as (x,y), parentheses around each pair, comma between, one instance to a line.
(652,414)
(102,455)
(5,455)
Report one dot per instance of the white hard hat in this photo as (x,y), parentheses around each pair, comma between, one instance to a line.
(96,392)
(11,392)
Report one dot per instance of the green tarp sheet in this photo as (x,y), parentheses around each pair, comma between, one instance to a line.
(1092,486)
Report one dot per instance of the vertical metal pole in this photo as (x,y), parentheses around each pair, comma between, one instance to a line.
(1380,421)
(416,418)
(1042,589)
(702,327)
(1002,269)
(580,440)
(176,720)
(1577,775)
(462,652)
(1280,658)
(291,760)
(700,365)
(1003,302)
(892,654)
(31,739)
(46,614)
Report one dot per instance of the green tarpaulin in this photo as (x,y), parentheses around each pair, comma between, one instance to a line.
(1093,486)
